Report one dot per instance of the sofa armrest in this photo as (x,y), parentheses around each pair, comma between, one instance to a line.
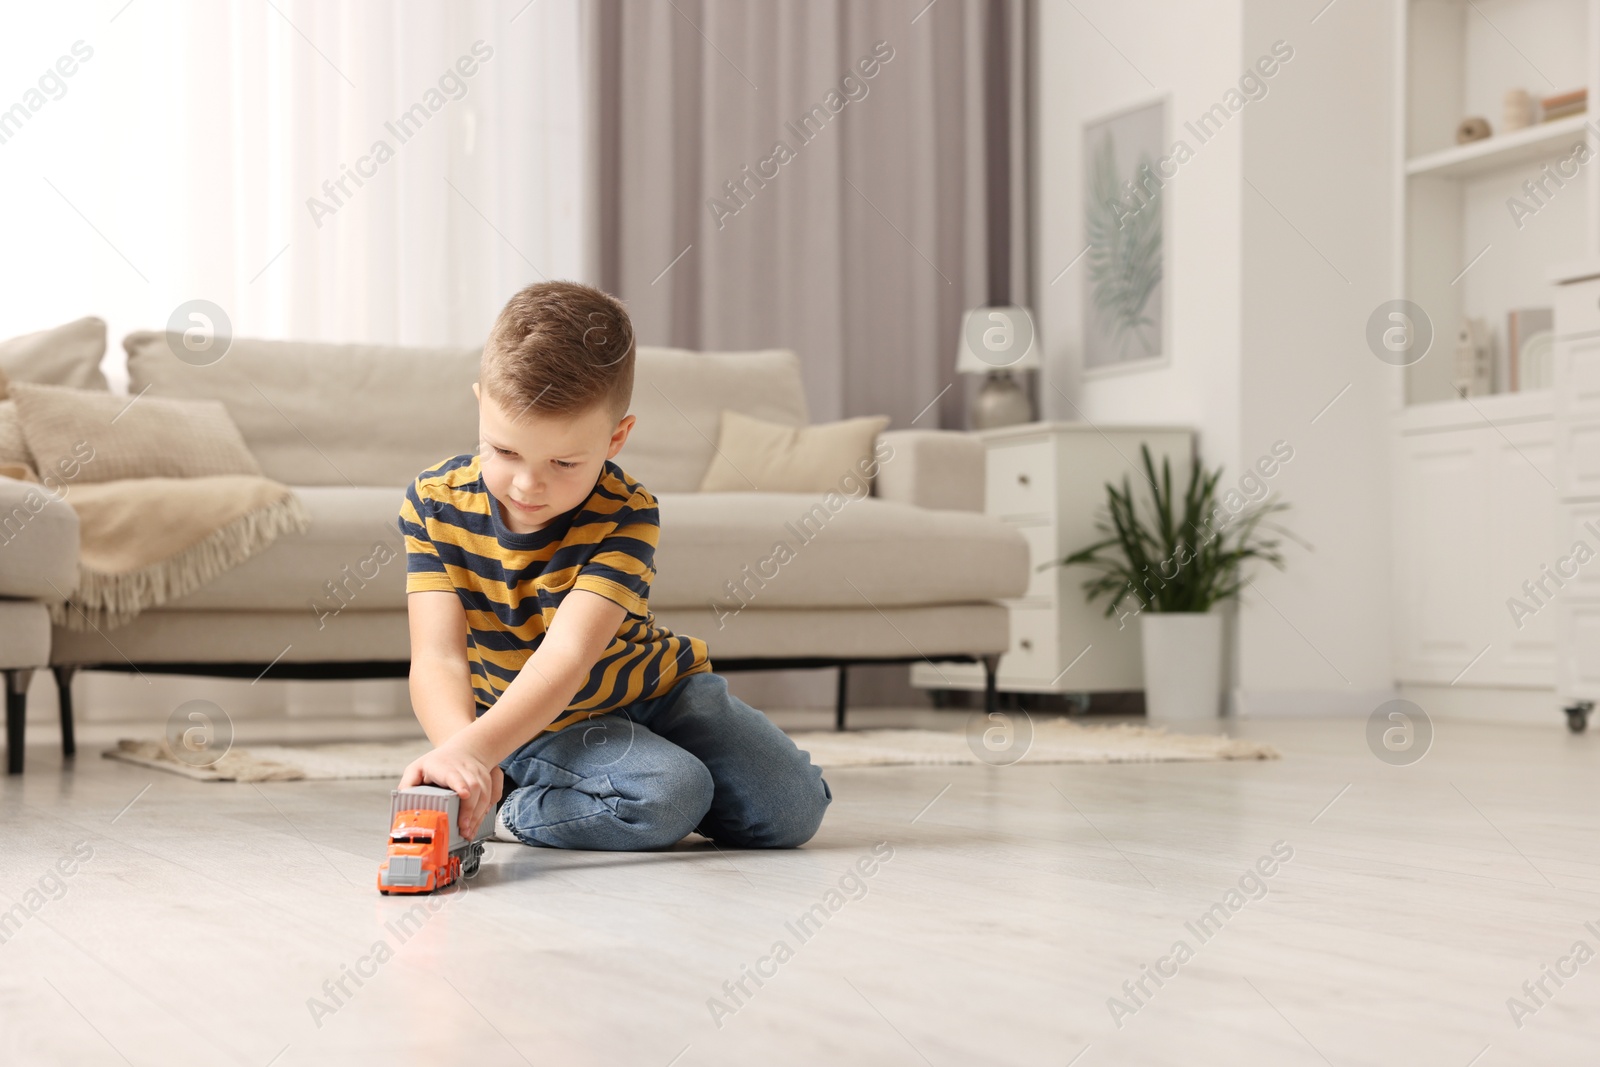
(932,469)
(38,543)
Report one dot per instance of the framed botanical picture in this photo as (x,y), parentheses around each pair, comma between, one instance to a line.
(1124,225)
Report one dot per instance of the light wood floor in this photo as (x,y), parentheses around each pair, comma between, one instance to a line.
(1016,902)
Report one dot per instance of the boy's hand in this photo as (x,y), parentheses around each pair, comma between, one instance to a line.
(454,767)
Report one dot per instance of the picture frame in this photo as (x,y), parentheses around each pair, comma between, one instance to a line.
(1126,316)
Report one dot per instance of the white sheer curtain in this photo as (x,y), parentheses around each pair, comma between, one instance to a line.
(176,162)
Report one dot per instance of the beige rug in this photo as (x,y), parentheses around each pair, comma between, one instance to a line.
(1054,741)
(277,763)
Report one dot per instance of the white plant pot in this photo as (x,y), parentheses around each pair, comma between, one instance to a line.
(1182,666)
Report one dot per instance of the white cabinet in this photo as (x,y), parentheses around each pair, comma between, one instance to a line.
(1579,677)
(1575,601)
(1483,488)
(1497,510)
(1578,608)
(1441,502)
(1525,535)
(1477,515)
(1049,481)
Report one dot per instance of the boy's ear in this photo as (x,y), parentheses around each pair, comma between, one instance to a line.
(477,395)
(619,436)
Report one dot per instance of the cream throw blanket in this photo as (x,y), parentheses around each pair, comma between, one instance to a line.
(145,541)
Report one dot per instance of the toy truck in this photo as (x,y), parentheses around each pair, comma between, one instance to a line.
(426,849)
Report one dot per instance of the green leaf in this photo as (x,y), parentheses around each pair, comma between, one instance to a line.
(1166,554)
(1124,259)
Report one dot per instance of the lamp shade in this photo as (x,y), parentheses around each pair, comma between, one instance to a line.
(997,338)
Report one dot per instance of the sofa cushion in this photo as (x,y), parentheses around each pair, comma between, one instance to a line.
(829,633)
(791,459)
(39,538)
(325,414)
(379,414)
(105,437)
(679,397)
(13,446)
(859,553)
(350,558)
(298,637)
(65,355)
(808,550)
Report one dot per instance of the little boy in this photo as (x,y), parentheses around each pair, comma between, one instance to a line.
(550,694)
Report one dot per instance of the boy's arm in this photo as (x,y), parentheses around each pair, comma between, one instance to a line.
(584,625)
(441,678)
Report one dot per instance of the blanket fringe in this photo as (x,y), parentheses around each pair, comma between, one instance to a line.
(107,601)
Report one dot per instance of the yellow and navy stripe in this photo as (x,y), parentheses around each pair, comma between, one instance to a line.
(511,584)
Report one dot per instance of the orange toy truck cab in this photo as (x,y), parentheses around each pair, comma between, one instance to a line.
(426,849)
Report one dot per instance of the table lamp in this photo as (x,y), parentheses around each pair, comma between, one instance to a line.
(995,341)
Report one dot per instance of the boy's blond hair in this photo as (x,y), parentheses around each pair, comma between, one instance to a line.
(559,348)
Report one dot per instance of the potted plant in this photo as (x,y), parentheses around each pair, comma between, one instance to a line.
(1176,559)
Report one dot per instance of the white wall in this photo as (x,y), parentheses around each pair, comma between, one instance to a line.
(1190,51)
(1319,148)
(1262,332)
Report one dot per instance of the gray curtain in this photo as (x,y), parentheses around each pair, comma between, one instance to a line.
(900,200)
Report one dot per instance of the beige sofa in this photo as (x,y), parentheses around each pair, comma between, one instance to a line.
(912,572)
(38,556)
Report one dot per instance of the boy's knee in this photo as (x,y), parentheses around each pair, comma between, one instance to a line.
(788,825)
(799,826)
(669,804)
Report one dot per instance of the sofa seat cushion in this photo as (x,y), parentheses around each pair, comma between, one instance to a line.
(350,558)
(931,630)
(866,552)
(791,550)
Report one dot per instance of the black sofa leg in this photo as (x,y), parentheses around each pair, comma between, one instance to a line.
(69,744)
(840,699)
(991,667)
(17,680)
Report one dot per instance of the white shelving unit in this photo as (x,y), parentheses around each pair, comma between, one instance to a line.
(1475,508)
(1459,249)
(1576,602)
(1532,145)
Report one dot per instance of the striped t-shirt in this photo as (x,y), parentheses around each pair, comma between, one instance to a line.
(512,583)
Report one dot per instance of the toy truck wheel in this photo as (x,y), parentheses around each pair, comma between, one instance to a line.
(473,860)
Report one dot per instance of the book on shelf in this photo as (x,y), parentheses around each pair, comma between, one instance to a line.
(1560,105)
(1528,337)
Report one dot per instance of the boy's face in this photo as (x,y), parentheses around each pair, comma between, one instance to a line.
(548,462)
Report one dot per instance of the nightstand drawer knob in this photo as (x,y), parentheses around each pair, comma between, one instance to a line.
(1025,643)
(1022,479)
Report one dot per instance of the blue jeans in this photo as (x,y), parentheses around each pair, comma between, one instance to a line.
(643,776)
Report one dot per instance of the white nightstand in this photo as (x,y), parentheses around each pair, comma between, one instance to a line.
(1048,480)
